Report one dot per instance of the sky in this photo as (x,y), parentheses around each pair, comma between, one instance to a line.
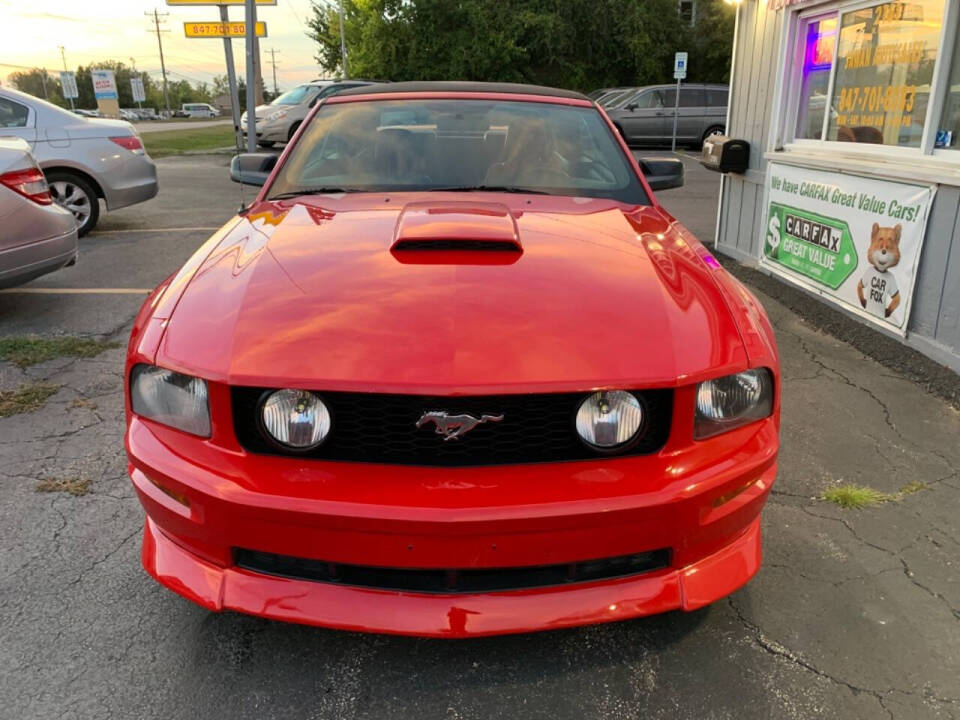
(118,30)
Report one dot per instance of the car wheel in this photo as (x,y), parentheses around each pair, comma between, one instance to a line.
(293,131)
(714,130)
(76,195)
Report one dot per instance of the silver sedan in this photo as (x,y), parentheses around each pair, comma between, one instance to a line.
(85,160)
(38,236)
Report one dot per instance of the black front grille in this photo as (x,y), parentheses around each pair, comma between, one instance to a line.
(451,581)
(377,428)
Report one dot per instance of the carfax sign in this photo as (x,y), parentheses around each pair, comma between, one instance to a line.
(852,239)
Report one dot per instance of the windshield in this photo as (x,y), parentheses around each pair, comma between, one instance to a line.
(295,96)
(609,101)
(496,145)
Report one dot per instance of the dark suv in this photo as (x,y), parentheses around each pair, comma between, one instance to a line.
(644,116)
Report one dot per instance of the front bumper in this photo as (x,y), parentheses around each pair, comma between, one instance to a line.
(702,502)
(269,132)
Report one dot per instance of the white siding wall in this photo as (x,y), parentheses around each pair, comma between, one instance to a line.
(934,326)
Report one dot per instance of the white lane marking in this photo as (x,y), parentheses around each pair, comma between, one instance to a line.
(152,230)
(76,291)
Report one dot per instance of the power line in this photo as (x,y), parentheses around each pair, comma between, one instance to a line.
(163,67)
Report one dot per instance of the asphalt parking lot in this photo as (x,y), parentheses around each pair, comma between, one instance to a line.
(855,613)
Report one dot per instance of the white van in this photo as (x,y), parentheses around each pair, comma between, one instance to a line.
(199,110)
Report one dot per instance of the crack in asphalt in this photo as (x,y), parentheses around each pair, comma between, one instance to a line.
(779,650)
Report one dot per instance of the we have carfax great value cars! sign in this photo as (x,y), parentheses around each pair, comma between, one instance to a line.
(853,239)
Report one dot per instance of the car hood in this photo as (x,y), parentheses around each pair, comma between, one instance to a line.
(313,293)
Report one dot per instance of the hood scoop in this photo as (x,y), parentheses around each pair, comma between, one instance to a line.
(455,227)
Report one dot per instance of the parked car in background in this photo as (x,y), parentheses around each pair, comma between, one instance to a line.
(278,121)
(83,159)
(199,110)
(612,96)
(644,116)
(129,115)
(38,235)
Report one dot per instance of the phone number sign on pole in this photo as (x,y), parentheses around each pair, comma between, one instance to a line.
(221,29)
(221,2)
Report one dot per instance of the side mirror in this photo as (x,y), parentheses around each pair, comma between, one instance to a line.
(631,107)
(662,173)
(252,168)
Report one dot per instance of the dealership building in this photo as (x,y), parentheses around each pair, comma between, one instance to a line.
(852,190)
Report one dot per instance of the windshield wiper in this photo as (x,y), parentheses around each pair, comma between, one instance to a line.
(489,188)
(313,191)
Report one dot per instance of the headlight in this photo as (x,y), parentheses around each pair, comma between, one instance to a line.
(279,115)
(295,418)
(732,401)
(171,398)
(609,419)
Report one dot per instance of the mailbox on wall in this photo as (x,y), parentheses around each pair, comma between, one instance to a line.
(725,154)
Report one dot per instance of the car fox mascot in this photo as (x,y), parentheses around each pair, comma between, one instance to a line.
(877,289)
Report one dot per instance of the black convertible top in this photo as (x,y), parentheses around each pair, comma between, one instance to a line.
(462,87)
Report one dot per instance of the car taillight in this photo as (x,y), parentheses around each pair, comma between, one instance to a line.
(130,142)
(29,183)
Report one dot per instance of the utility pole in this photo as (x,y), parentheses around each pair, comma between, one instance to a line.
(163,67)
(43,79)
(63,56)
(273,61)
(232,82)
(251,38)
(343,44)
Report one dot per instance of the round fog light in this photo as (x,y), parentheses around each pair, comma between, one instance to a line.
(296,419)
(609,419)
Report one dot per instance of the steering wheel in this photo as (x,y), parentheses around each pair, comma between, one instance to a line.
(594,171)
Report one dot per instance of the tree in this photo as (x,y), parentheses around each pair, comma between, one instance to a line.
(40,83)
(565,43)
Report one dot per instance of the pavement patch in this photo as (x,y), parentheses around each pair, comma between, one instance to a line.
(154,230)
(75,486)
(26,351)
(25,398)
(76,291)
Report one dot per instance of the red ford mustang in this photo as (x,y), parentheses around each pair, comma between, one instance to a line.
(454,372)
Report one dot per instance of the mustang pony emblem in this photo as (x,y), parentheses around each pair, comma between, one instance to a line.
(453,426)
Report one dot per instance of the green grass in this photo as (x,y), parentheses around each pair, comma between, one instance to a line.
(26,351)
(913,487)
(174,142)
(25,398)
(76,486)
(853,496)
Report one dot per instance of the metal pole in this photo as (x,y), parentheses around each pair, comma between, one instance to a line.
(232,82)
(251,28)
(676,107)
(343,44)
(43,79)
(63,55)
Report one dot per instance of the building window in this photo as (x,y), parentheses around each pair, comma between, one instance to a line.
(687,9)
(884,75)
(819,39)
(948,132)
(866,75)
